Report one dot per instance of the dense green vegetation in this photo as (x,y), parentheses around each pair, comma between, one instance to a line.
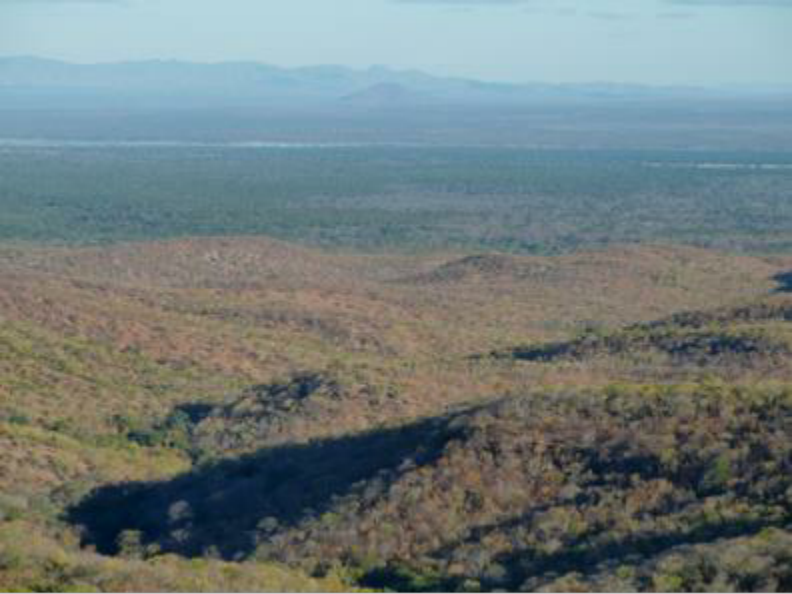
(406,198)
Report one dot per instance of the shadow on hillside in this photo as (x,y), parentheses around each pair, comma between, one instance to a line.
(225,505)
(541,353)
(784,281)
(545,353)
(195,412)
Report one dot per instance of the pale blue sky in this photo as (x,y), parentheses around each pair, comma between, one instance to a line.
(703,42)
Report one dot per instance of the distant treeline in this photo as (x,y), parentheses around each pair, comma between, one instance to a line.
(407,198)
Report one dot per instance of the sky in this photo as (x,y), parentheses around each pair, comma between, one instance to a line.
(690,42)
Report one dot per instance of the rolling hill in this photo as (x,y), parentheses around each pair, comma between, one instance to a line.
(752,338)
(265,411)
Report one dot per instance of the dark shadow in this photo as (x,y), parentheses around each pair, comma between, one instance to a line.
(224,505)
(397,577)
(544,353)
(784,281)
(196,412)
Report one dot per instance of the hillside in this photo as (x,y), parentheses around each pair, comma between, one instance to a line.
(754,338)
(136,329)
(270,407)
(511,494)
(306,406)
(32,562)
(395,296)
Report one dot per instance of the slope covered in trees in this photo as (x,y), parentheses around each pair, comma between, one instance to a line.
(523,492)
(755,337)
(204,411)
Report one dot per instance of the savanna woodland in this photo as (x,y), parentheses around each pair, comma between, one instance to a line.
(410,369)
(363,329)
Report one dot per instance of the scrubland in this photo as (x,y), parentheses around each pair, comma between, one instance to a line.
(206,408)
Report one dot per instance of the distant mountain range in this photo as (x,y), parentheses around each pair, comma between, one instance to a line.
(37,82)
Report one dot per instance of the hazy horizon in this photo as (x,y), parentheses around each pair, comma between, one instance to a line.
(782,87)
(703,43)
